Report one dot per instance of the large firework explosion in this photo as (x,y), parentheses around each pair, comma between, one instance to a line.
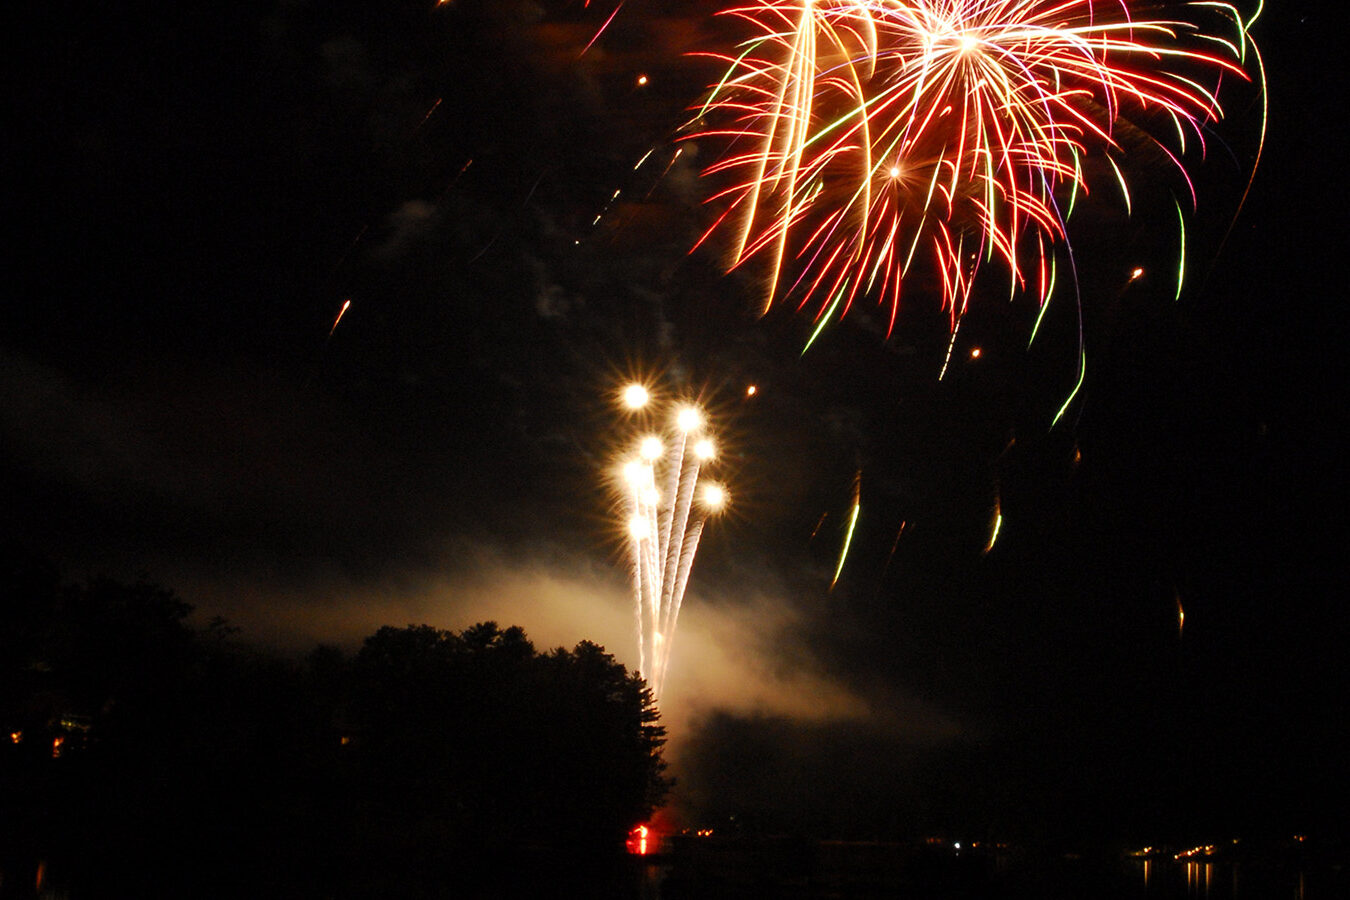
(867,137)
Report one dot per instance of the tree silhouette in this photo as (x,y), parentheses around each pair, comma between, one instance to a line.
(429,755)
(500,744)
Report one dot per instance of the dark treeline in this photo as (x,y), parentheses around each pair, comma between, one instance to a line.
(144,756)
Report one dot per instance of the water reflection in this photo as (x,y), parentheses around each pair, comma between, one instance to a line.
(1198,879)
(677,868)
(1166,879)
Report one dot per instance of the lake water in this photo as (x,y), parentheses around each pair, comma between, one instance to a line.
(731,869)
(785,868)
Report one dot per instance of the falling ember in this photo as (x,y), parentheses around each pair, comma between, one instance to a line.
(975,352)
(848,540)
(819,522)
(596,36)
(667,506)
(889,556)
(751,390)
(342,312)
(1082,373)
(993,535)
(1181,254)
(852,524)
(951,344)
(431,112)
(998,524)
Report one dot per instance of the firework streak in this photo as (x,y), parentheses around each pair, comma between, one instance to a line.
(867,137)
(664,528)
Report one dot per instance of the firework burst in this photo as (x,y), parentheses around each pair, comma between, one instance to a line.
(867,137)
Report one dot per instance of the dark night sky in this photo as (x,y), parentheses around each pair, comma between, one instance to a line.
(194,192)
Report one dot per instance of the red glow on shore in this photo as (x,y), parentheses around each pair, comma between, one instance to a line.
(641,841)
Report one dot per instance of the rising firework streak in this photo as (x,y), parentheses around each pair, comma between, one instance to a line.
(667,504)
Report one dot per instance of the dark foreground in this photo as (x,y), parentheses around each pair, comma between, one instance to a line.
(784,868)
(686,867)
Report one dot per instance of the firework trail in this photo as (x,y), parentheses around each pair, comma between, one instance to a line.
(890,556)
(713,500)
(596,36)
(347,304)
(686,420)
(867,137)
(679,516)
(852,524)
(995,526)
(665,526)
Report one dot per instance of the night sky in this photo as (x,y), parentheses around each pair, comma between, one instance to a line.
(194,192)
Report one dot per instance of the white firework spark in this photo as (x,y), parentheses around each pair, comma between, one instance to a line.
(664,526)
